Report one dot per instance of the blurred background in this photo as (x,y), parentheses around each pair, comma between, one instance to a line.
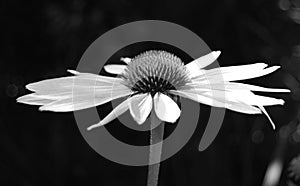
(42,39)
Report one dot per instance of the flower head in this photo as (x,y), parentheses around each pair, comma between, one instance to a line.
(149,81)
(155,71)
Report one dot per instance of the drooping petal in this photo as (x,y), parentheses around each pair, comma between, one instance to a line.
(233,97)
(115,69)
(221,103)
(195,66)
(238,96)
(165,108)
(234,73)
(116,112)
(266,113)
(73,93)
(250,98)
(140,107)
(198,97)
(243,108)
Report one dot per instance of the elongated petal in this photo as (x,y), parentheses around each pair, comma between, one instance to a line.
(243,108)
(250,98)
(115,69)
(241,101)
(140,107)
(265,112)
(234,73)
(211,101)
(74,93)
(230,86)
(243,96)
(96,77)
(234,85)
(195,66)
(88,100)
(67,83)
(34,99)
(165,108)
(198,97)
(116,112)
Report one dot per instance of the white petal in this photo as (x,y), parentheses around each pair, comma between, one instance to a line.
(115,69)
(234,73)
(216,102)
(83,101)
(194,66)
(74,93)
(265,112)
(204,85)
(255,88)
(126,59)
(116,112)
(236,96)
(247,98)
(140,107)
(34,99)
(250,98)
(95,77)
(67,83)
(165,108)
(73,72)
(243,96)
(198,97)
(243,108)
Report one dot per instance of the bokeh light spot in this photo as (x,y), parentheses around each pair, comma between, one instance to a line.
(12,90)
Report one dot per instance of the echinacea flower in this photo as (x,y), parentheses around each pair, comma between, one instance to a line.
(149,81)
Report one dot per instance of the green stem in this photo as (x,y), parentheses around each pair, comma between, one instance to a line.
(156,136)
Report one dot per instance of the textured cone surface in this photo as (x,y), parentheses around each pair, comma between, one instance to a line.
(155,71)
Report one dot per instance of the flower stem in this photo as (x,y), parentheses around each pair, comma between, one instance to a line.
(156,136)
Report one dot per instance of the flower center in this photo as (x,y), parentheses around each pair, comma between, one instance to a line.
(155,71)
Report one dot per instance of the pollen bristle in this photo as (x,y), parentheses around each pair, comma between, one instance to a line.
(155,71)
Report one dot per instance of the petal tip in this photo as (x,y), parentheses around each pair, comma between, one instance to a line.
(216,54)
(273,68)
(273,126)
(106,68)
(95,126)
(42,109)
(125,59)
(114,69)
(174,121)
(276,67)
(90,128)
(139,122)
(19,99)
(29,87)
(72,71)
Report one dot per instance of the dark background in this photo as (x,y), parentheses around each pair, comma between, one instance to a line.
(41,39)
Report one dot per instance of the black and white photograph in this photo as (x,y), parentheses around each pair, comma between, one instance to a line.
(150,93)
